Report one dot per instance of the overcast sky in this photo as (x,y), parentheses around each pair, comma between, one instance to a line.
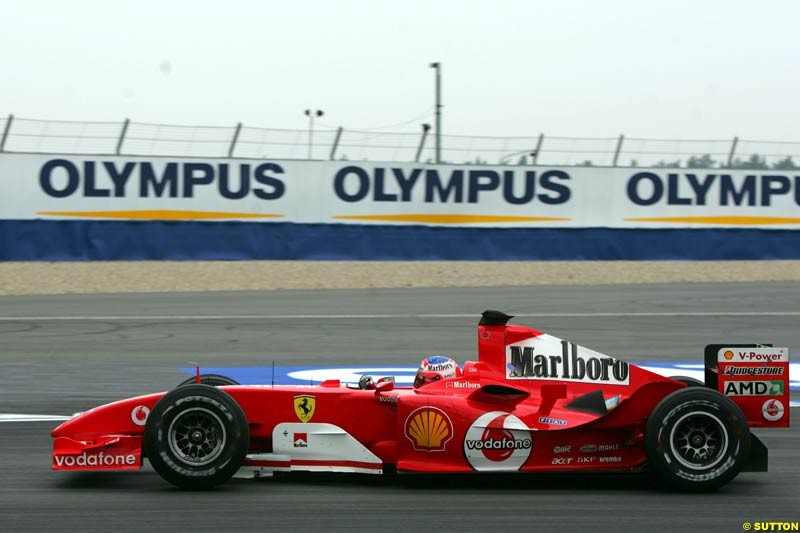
(674,69)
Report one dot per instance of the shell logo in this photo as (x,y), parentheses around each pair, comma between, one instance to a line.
(728,355)
(429,429)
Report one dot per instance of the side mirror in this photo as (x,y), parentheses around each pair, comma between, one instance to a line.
(383,386)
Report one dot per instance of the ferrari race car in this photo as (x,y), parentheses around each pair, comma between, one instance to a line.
(531,403)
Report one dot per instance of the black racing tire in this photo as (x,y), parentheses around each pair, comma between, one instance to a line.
(689,382)
(696,439)
(215,380)
(196,437)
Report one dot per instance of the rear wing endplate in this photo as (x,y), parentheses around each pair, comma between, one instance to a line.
(755,377)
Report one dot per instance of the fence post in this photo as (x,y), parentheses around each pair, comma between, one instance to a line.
(733,151)
(122,135)
(425,128)
(235,138)
(535,154)
(336,142)
(619,149)
(5,132)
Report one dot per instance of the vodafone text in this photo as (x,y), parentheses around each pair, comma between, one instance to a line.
(99,459)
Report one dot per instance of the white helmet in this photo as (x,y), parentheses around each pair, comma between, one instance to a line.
(434,368)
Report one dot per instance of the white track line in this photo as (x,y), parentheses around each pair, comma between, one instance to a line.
(421,316)
(32,418)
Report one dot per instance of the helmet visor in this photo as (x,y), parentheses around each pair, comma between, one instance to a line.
(423,378)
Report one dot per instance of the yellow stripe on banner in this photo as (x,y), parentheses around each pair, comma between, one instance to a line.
(738,221)
(449,219)
(158,214)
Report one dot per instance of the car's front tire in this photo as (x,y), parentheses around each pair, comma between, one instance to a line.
(697,439)
(215,380)
(196,437)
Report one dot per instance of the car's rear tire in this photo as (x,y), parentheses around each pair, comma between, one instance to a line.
(688,381)
(215,380)
(697,439)
(196,437)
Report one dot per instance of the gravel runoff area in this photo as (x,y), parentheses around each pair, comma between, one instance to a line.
(159,276)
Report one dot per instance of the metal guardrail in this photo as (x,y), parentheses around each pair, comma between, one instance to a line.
(22,135)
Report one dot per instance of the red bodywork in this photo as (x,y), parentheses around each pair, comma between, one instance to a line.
(531,403)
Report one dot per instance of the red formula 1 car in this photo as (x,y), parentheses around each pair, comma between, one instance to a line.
(531,403)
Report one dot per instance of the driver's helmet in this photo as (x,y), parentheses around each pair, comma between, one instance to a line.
(434,368)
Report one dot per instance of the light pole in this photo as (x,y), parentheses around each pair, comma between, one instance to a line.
(438,67)
(311,114)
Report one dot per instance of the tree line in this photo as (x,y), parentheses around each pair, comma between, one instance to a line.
(754,162)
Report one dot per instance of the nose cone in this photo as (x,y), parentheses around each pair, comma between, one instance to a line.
(125,417)
(65,427)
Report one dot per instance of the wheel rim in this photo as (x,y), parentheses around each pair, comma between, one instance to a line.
(699,440)
(196,436)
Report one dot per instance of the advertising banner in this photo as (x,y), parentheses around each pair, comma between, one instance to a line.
(68,187)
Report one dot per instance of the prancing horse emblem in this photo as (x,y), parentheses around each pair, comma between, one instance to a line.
(304,406)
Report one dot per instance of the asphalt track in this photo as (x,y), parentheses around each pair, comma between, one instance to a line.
(61,354)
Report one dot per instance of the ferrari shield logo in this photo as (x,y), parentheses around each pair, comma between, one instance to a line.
(304,406)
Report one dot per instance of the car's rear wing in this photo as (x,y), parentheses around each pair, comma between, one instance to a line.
(755,376)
